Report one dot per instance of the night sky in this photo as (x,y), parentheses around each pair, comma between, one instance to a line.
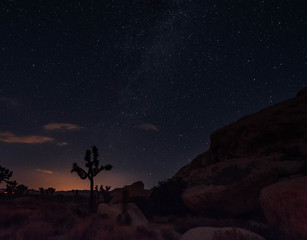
(146,81)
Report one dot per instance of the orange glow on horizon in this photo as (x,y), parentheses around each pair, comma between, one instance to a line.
(63,181)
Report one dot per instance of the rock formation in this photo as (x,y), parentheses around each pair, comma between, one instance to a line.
(285,206)
(247,155)
(135,190)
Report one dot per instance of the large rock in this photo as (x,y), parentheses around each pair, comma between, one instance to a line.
(233,186)
(246,156)
(115,210)
(212,233)
(285,206)
(134,191)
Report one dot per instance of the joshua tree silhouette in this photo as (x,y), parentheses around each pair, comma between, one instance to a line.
(93,168)
(5,174)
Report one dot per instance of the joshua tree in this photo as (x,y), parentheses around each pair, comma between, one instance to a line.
(5,174)
(93,168)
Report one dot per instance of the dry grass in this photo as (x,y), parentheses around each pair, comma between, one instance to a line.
(35,219)
(30,218)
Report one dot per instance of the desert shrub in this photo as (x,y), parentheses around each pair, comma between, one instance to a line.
(35,231)
(86,228)
(30,218)
(166,199)
(21,189)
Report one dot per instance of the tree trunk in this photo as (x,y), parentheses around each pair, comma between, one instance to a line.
(92,194)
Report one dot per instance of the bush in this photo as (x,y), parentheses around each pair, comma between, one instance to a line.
(165,199)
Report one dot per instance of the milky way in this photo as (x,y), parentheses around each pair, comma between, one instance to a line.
(147,82)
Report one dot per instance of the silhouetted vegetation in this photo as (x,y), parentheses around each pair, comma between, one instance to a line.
(42,192)
(21,189)
(50,192)
(93,168)
(105,194)
(165,199)
(46,193)
(5,174)
(11,188)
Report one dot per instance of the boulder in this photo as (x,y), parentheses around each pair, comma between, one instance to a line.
(114,210)
(246,156)
(134,191)
(285,206)
(212,233)
(233,187)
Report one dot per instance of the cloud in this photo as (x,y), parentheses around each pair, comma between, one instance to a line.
(148,127)
(61,144)
(44,171)
(62,126)
(12,138)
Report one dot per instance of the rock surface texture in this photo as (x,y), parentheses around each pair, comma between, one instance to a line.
(246,156)
(285,206)
(227,233)
(135,190)
(114,210)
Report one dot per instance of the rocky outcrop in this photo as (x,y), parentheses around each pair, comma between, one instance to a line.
(245,156)
(285,206)
(211,233)
(134,191)
(233,187)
